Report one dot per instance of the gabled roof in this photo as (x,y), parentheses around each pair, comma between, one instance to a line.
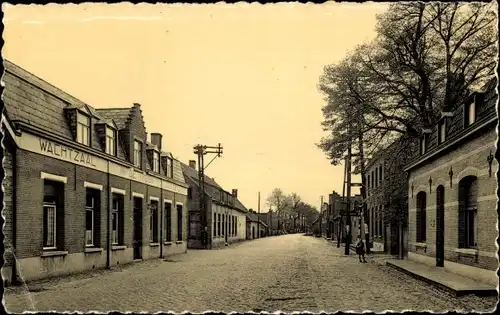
(253,217)
(212,188)
(119,115)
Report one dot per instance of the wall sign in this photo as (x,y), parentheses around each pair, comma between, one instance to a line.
(67,153)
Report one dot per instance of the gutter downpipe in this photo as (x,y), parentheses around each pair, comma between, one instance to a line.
(108,234)
(14,279)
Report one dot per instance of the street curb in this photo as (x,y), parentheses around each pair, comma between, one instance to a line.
(442,286)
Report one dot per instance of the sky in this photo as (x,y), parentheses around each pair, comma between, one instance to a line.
(242,75)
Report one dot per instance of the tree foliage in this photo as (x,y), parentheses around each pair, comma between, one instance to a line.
(290,207)
(426,57)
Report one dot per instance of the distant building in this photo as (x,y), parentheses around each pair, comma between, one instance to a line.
(453,190)
(225,214)
(84,188)
(256,228)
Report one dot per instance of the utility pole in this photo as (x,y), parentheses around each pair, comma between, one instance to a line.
(258,216)
(364,207)
(348,191)
(201,151)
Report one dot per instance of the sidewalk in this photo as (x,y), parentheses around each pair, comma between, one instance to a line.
(448,281)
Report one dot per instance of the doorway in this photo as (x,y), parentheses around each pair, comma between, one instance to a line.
(253,232)
(440,226)
(137,218)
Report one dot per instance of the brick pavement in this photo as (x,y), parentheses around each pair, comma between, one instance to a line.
(288,273)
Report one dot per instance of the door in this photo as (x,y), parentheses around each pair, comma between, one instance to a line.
(440,226)
(137,215)
(253,232)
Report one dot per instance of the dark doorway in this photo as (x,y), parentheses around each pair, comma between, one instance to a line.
(137,242)
(253,232)
(440,226)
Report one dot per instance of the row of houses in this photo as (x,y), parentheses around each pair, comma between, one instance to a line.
(85,188)
(434,201)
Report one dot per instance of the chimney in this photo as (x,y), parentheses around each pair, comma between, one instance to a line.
(192,164)
(235,193)
(156,139)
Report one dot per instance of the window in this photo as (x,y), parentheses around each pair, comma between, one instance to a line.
(117,219)
(380,225)
(215,224)
(376,177)
(470,114)
(110,141)
(168,222)
(194,224)
(442,131)
(380,174)
(368,182)
(467,222)
(373,180)
(179,222)
(235,225)
(92,217)
(190,193)
(137,153)
(82,129)
(170,167)
(223,224)
(156,162)
(49,225)
(53,215)
(218,225)
(421,217)
(423,144)
(153,222)
(231,225)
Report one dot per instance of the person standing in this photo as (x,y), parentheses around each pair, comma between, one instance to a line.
(360,249)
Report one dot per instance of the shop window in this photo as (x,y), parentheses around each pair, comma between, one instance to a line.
(153,222)
(117,219)
(92,217)
(168,222)
(53,215)
(421,217)
(83,129)
(467,222)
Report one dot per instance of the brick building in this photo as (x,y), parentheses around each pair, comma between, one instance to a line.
(256,228)
(83,187)
(225,214)
(376,199)
(452,194)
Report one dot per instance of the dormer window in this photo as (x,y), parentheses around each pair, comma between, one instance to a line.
(470,114)
(156,162)
(82,129)
(442,131)
(170,168)
(423,144)
(137,153)
(110,141)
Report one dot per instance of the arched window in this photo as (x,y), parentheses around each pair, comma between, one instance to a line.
(421,217)
(467,218)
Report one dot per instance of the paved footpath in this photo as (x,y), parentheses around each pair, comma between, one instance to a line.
(287,273)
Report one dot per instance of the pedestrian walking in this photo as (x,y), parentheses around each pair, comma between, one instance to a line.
(360,249)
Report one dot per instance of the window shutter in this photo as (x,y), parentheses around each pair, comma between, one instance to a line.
(462,190)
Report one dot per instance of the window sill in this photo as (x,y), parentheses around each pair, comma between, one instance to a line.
(167,243)
(420,244)
(93,250)
(154,244)
(178,242)
(53,253)
(467,251)
(118,247)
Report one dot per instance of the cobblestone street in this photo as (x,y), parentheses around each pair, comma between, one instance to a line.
(288,273)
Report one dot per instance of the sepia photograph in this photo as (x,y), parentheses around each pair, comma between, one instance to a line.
(248,157)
